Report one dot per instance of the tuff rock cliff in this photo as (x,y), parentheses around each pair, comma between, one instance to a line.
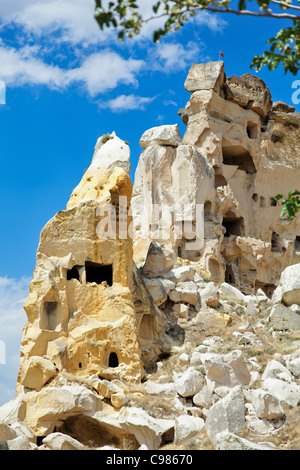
(143,335)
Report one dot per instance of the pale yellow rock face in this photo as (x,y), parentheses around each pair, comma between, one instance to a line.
(87,307)
(249,152)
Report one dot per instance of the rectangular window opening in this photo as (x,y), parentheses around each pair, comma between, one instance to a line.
(233,226)
(49,316)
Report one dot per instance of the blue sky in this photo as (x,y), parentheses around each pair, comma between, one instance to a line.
(67,83)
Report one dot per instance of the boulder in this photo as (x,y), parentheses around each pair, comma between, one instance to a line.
(204,397)
(186,427)
(292,362)
(180,274)
(189,383)
(232,292)
(7,432)
(250,92)
(49,405)
(280,106)
(157,290)
(21,443)
(181,310)
(228,414)
(119,399)
(288,392)
(161,135)
(266,405)
(229,441)
(185,292)
(209,76)
(155,388)
(38,372)
(226,369)
(160,259)
(290,285)
(274,369)
(210,295)
(106,388)
(146,429)
(284,318)
(60,441)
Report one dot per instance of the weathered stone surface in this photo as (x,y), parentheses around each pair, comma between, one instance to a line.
(7,432)
(229,369)
(228,414)
(210,295)
(189,383)
(162,135)
(204,397)
(160,259)
(288,392)
(266,405)
(282,107)
(181,310)
(274,369)
(45,408)
(249,91)
(146,429)
(180,274)
(185,292)
(21,443)
(231,291)
(157,290)
(284,318)
(234,165)
(290,285)
(38,372)
(60,441)
(208,76)
(88,309)
(97,338)
(111,152)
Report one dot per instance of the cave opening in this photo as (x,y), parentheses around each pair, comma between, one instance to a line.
(240,157)
(233,225)
(99,273)
(113,360)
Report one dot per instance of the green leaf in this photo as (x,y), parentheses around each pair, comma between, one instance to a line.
(158,34)
(156,7)
(242,4)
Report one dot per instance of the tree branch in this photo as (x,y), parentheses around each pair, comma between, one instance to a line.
(262,14)
(285,5)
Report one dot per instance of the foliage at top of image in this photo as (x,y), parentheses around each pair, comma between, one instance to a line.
(125,17)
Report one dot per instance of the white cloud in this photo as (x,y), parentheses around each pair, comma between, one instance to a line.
(74,19)
(98,73)
(19,67)
(173,56)
(104,71)
(211,20)
(12,320)
(125,103)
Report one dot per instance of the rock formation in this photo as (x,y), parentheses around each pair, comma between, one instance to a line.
(173,335)
(88,309)
(238,152)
